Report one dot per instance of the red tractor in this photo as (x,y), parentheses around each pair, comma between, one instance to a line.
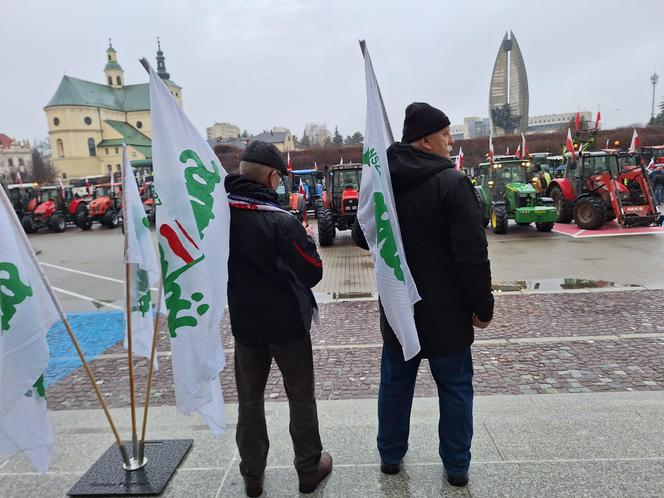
(147,194)
(654,152)
(105,206)
(600,186)
(56,206)
(341,200)
(23,198)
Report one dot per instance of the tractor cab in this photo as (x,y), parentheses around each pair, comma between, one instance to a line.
(312,184)
(106,204)
(55,207)
(654,152)
(22,197)
(288,200)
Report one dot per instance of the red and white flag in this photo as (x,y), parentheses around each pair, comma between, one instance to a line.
(507,150)
(18,176)
(597,120)
(524,146)
(518,152)
(289,163)
(569,143)
(458,163)
(636,143)
(651,164)
(607,144)
(490,150)
(577,121)
(302,190)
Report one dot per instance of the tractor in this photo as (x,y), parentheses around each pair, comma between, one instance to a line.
(654,152)
(312,183)
(602,186)
(290,201)
(505,192)
(341,200)
(55,207)
(23,198)
(148,197)
(105,207)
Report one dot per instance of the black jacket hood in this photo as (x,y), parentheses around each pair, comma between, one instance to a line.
(241,185)
(410,166)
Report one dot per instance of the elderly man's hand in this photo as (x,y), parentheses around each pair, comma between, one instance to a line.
(479,323)
(309,229)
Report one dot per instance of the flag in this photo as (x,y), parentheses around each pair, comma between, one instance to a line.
(302,190)
(87,185)
(597,120)
(577,121)
(378,219)
(27,312)
(341,161)
(143,266)
(651,164)
(569,143)
(636,143)
(458,163)
(524,147)
(518,152)
(507,150)
(607,144)
(18,176)
(289,164)
(316,165)
(193,221)
(490,150)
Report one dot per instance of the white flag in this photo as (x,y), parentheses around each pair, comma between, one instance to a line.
(143,265)
(378,218)
(193,222)
(26,314)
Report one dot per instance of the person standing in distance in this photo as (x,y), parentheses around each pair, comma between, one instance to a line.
(446,251)
(272,267)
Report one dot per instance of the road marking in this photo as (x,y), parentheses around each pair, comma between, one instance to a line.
(87,298)
(87,274)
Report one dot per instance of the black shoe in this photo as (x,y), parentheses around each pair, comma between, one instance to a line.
(309,484)
(253,486)
(457,480)
(390,468)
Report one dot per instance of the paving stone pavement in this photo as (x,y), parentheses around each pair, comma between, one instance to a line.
(550,343)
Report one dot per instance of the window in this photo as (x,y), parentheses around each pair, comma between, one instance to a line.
(139,125)
(92,151)
(20,162)
(64,175)
(117,168)
(118,81)
(110,80)
(106,150)
(109,57)
(60,147)
(87,120)
(109,169)
(117,151)
(56,121)
(10,162)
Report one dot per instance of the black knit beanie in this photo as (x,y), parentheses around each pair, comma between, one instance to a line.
(422,120)
(266,154)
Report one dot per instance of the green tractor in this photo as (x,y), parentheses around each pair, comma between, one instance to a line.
(504,193)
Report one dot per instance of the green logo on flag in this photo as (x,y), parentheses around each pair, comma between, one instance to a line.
(12,293)
(143,286)
(385,237)
(371,159)
(201,182)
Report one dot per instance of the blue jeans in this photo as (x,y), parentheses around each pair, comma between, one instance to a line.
(659,194)
(453,374)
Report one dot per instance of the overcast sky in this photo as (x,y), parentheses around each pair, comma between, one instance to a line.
(264,63)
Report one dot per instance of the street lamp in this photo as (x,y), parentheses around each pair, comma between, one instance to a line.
(653,79)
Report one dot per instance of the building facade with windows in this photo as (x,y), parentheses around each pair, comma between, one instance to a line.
(15,159)
(222,131)
(88,122)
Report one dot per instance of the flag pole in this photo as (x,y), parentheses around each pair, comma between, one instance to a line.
(365,53)
(141,446)
(70,332)
(135,462)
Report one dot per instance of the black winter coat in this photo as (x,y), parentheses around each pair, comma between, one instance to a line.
(272,266)
(446,249)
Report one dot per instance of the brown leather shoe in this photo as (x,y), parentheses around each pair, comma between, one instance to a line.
(253,485)
(309,484)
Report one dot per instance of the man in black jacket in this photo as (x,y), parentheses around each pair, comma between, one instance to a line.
(272,266)
(446,251)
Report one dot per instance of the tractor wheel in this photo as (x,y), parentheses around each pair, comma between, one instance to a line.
(563,212)
(318,205)
(28,224)
(326,230)
(499,218)
(58,223)
(544,226)
(111,219)
(83,220)
(589,212)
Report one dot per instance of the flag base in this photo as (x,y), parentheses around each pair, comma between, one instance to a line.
(107,477)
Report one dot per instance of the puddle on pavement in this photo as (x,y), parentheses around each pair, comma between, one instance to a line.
(551,284)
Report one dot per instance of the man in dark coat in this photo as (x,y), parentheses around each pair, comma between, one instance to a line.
(446,251)
(272,266)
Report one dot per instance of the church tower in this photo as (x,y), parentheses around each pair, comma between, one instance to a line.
(165,76)
(113,71)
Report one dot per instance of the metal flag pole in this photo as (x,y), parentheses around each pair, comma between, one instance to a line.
(134,462)
(70,332)
(141,445)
